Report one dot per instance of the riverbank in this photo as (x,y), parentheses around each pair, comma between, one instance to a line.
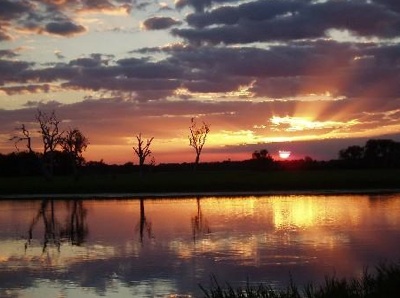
(203,183)
(383,282)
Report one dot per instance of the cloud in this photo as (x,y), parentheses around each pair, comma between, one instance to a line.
(237,63)
(4,36)
(255,11)
(59,54)
(13,9)
(10,70)
(200,5)
(64,28)
(52,16)
(159,23)
(45,88)
(391,4)
(7,54)
(109,121)
(260,21)
(298,69)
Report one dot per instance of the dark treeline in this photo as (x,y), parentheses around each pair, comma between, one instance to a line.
(377,153)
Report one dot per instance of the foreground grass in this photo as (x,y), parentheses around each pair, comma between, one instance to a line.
(206,181)
(385,283)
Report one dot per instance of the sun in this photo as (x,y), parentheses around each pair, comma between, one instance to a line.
(284,154)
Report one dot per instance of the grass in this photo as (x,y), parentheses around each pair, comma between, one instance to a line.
(385,283)
(206,181)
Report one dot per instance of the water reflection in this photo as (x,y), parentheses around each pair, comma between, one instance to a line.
(144,225)
(86,248)
(74,229)
(199,223)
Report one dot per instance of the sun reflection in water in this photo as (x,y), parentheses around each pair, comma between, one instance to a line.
(267,234)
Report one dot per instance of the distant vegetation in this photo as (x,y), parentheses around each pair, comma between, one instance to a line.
(63,149)
(376,154)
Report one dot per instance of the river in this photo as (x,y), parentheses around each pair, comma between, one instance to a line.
(163,247)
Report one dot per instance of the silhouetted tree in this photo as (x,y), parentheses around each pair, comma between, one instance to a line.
(74,143)
(261,160)
(142,151)
(197,138)
(51,137)
(25,136)
(352,153)
(263,154)
(256,155)
(375,153)
(382,152)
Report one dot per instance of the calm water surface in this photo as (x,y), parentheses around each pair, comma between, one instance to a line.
(166,247)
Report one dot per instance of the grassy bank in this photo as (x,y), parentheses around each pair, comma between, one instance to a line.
(384,283)
(206,181)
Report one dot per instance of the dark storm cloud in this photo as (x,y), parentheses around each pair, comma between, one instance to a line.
(159,23)
(289,20)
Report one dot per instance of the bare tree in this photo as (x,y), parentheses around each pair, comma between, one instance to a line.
(74,143)
(51,137)
(24,137)
(197,138)
(142,151)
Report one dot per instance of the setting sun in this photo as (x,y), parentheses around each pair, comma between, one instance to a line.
(284,154)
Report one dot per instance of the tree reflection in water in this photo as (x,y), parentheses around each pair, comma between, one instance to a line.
(74,230)
(144,224)
(199,223)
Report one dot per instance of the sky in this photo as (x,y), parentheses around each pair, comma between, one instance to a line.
(309,76)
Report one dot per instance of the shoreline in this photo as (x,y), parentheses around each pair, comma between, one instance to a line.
(169,195)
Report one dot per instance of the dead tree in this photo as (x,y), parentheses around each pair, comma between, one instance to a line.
(25,137)
(142,151)
(51,137)
(197,138)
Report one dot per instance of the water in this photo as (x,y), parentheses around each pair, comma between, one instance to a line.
(167,247)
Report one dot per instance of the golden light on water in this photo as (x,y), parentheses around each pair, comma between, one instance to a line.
(295,213)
